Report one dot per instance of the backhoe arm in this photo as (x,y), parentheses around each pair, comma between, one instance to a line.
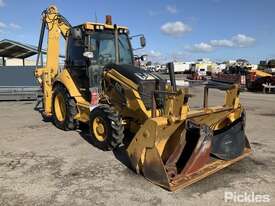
(56,25)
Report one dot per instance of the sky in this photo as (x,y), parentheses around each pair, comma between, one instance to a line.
(175,30)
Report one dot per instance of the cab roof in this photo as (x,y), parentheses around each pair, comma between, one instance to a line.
(101,26)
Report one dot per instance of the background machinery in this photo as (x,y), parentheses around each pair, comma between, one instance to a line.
(171,145)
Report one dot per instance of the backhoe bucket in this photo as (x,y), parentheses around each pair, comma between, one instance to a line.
(175,155)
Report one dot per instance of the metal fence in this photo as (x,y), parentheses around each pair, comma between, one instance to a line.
(18,83)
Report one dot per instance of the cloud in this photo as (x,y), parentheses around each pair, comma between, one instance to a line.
(156,56)
(155,53)
(175,29)
(6,29)
(2,3)
(153,13)
(179,56)
(172,9)
(201,47)
(241,40)
(222,43)
(15,26)
(237,41)
(2,25)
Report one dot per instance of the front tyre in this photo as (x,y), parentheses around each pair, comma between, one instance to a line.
(106,128)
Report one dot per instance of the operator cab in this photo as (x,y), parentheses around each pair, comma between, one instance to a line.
(92,46)
(97,42)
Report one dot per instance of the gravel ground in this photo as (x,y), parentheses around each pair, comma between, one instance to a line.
(42,165)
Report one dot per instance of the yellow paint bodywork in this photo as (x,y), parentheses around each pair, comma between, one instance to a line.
(159,137)
(155,138)
(134,104)
(92,26)
(260,73)
(83,106)
(49,75)
(65,78)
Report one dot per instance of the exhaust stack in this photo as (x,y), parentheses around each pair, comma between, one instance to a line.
(108,20)
(171,70)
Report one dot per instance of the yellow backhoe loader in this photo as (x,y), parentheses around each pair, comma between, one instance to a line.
(99,85)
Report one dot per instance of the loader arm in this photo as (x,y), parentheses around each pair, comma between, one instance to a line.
(56,25)
(184,146)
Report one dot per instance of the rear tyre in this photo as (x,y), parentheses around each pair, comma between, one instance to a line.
(106,128)
(63,109)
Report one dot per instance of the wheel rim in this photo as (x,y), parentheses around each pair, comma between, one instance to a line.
(59,107)
(99,129)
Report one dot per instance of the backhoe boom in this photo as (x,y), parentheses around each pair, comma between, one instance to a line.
(56,25)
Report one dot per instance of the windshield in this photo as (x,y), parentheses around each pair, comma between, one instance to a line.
(103,48)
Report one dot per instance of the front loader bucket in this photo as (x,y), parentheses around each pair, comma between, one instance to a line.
(177,155)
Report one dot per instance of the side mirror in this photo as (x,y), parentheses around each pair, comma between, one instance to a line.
(142,41)
(76,33)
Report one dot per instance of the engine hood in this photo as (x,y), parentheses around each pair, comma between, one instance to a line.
(135,74)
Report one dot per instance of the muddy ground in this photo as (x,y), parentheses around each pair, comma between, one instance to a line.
(42,165)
